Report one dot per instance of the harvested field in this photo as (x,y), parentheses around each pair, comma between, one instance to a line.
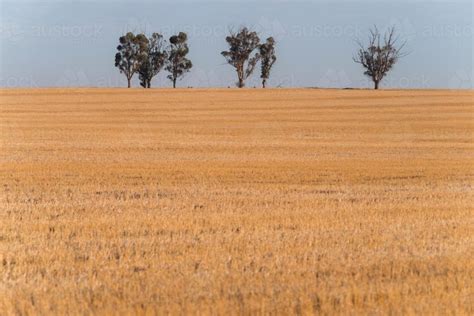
(236,201)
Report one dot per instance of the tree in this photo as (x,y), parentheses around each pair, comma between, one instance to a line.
(241,53)
(177,63)
(379,58)
(267,54)
(154,61)
(131,53)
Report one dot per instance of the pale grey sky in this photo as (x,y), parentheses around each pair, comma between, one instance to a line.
(73,43)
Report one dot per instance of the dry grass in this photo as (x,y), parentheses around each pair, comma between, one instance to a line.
(239,202)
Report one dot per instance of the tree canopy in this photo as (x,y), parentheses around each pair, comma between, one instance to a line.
(243,53)
(268,58)
(177,63)
(132,51)
(380,55)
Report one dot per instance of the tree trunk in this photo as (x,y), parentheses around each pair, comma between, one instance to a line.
(129,85)
(240,74)
(264,83)
(241,83)
(174,83)
(376,85)
(148,84)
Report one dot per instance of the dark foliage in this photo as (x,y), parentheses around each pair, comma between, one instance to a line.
(177,64)
(132,51)
(268,58)
(241,53)
(154,61)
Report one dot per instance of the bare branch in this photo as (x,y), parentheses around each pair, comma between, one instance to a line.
(377,58)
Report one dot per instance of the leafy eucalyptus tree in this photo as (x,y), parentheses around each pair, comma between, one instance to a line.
(243,53)
(132,51)
(177,64)
(268,58)
(155,60)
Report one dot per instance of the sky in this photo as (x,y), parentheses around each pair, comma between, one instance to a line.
(62,43)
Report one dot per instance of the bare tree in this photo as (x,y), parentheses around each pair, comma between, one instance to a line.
(241,53)
(378,58)
(154,61)
(177,63)
(267,54)
(132,51)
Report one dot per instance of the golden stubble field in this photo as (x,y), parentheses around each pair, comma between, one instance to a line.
(236,202)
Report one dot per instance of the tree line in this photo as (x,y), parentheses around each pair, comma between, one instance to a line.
(147,56)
